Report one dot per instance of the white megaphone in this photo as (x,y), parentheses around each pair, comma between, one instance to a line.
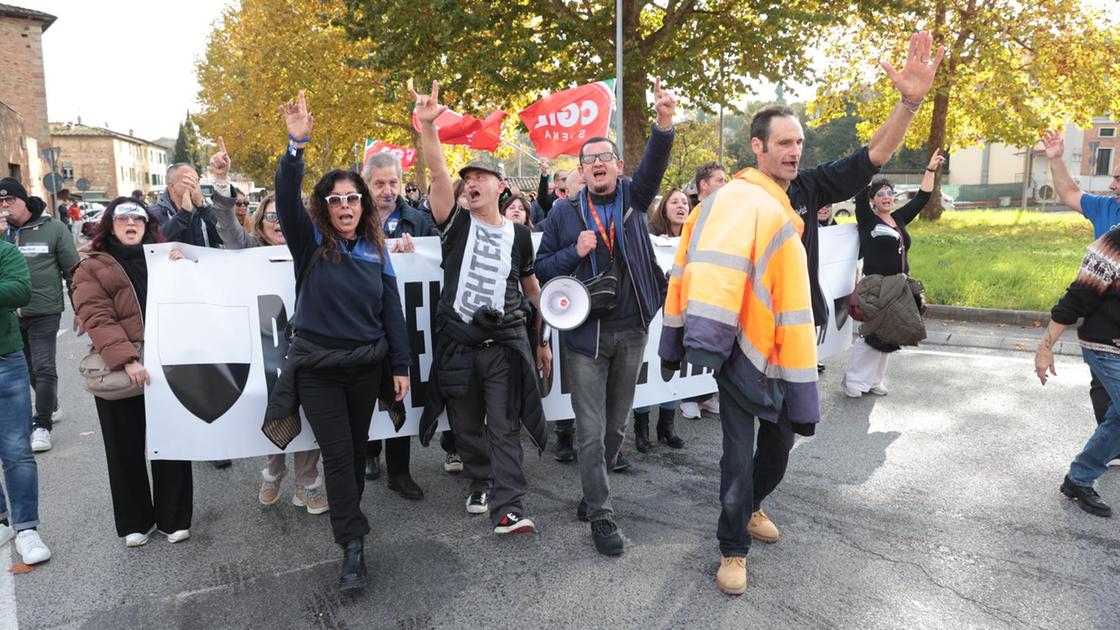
(565,303)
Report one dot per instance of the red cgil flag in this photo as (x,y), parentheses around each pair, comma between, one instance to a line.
(406,155)
(561,122)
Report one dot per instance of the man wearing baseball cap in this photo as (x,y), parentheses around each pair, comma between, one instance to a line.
(484,368)
(49,249)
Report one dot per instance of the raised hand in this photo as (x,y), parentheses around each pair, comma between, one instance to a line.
(665,104)
(546,168)
(427,106)
(935,160)
(297,118)
(220,162)
(916,77)
(1054,144)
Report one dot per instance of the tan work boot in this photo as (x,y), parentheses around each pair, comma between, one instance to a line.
(732,575)
(762,528)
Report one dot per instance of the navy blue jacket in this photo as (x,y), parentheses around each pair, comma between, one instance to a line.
(412,222)
(354,299)
(557,254)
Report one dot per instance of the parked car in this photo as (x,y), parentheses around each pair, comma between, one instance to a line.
(903,195)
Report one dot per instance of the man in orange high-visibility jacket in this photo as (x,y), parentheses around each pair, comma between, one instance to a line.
(739,303)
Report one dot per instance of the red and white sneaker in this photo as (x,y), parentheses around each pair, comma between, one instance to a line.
(514,523)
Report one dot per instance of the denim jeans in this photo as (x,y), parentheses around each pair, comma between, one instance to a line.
(1104,444)
(20,472)
(602,399)
(750,469)
(40,340)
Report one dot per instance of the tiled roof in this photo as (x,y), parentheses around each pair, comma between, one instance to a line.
(13,11)
(79,130)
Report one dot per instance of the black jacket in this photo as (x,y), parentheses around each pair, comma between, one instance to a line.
(412,222)
(281,418)
(199,227)
(453,368)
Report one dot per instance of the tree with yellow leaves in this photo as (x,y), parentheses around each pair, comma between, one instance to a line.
(1012,69)
(266,50)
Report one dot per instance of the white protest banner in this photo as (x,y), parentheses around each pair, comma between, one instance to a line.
(839,250)
(214,344)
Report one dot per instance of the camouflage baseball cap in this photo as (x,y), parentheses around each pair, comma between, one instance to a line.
(484,163)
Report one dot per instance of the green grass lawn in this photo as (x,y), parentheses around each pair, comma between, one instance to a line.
(998,258)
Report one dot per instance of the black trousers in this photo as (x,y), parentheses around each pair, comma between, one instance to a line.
(398,454)
(1099,396)
(168,501)
(489,440)
(339,406)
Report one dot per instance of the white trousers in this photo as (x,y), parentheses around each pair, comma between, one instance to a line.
(867,367)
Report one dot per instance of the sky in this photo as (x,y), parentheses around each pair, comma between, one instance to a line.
(98,47)
(124,64)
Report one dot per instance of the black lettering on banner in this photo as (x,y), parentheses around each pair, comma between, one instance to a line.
(274,337)
(413,301)
(643,373)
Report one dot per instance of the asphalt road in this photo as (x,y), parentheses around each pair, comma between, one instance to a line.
(934,507)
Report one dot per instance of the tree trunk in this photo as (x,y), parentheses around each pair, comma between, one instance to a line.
(634,108)
(936,139)
(933,209)
(421,165)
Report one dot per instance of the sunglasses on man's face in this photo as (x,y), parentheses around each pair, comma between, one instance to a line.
(411,190)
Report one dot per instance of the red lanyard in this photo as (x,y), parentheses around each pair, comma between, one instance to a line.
(599,224)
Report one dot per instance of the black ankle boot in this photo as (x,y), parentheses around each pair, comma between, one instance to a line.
(665,432)
(564,448)
(641,431)
(353,565)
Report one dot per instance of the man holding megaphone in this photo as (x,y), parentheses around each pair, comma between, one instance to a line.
(601,237)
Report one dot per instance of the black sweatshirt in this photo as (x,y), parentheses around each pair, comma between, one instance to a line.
(879,242)
(1095,295)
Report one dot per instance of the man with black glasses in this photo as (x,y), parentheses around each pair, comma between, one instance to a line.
(604,229)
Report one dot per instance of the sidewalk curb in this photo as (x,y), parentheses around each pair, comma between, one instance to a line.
(987,315)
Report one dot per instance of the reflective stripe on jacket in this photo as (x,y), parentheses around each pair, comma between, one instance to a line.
(738,299)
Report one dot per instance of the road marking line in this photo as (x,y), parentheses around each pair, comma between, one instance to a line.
(8,618)
(965,355)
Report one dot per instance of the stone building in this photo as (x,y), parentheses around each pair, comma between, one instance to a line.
(21,56)
(113,163)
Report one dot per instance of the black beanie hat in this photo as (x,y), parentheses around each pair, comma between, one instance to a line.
(10,187)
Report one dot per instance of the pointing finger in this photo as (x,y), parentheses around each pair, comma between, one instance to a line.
(435,91)
(221,144)
(657,85)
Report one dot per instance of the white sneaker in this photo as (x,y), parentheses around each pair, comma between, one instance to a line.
(453,463)
(879,390)
(849,392)
(31,547)
(57,414)
(137,539)
(711,405)
(690,410)
(40,440)
(1111,464)
(178,535)
(6,534)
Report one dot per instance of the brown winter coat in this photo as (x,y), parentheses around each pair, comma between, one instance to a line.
(890,309)
(108,309)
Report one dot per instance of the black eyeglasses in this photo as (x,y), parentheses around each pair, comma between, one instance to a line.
(602,157)
(241,203)
(411,189)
